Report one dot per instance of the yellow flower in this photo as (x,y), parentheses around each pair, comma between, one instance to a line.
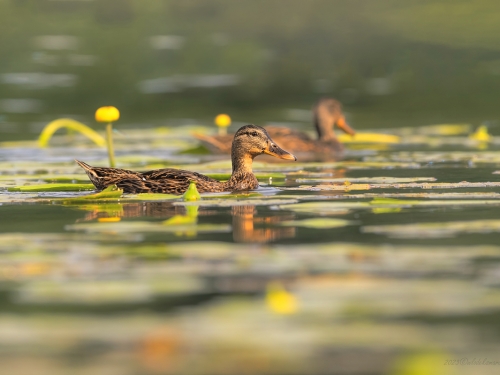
(107,114)
(481,134)
(280,301)
(223,120)
(113,219)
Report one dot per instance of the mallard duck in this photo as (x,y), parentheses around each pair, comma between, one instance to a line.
(326,114)
(249,142)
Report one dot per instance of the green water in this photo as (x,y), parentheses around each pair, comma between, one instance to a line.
(311,276)
(396,284)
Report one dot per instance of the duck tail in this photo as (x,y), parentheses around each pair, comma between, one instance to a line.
(85,166)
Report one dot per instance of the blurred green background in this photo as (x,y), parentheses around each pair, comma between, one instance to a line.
(407,289)
(391,62)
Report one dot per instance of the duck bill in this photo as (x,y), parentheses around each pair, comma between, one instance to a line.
(276,151)
(343,125)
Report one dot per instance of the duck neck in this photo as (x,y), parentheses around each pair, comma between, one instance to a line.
(242,177)
(325,134)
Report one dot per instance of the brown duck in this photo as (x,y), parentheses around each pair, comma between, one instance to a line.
(326,114)
(249,142)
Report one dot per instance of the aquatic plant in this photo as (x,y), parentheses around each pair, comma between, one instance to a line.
(112,193)
(70,124)
(52,187)
(369,138)
(222,121)
(108,114)
(191,193)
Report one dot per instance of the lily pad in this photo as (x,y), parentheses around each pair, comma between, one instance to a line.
(53,187)
(453,195)
(125,227)
(411,185)
(107,291)
(110,193)
(152,197)
(239,202)
(333,207)
(371,180)
(46,177)
(318,223)
(434,230)
(235,195)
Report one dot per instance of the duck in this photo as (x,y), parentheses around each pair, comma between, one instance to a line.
(327,113)
(248,142)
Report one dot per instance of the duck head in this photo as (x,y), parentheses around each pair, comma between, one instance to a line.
(327,114)
(252,140)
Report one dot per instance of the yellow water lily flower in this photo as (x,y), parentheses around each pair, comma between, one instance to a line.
(107,114)
(481,134)
(222,121)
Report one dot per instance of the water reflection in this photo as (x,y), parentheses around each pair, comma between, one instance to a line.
(160,210)
(248,227)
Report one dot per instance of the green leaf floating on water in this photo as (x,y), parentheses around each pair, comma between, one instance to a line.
(434,230)
(62,178)
(110,193)
(326,208)
(191,193)
(368,180)
(386,210)
(234,202)
(127,227)
(319,223)
(393,201)
(412,185)
(234,195)
(53,187)
(258,175)
(152,197)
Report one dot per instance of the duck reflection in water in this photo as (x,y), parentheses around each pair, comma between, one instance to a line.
(250,228)
(160,210)
(247,225)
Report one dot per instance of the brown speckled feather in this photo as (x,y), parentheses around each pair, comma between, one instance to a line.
(169,181)
(176,181)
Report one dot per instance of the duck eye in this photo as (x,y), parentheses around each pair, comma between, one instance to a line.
(253,134)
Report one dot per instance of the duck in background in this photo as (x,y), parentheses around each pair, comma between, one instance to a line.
(327,113)
(249,141)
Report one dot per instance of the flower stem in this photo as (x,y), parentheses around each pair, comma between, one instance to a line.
(222,130)
(109,142)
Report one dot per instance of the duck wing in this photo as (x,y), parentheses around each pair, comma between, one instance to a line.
(216,143)
(281,131)
(103,177)
(176,181)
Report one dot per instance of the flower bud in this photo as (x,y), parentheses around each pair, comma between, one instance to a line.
(107,114)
